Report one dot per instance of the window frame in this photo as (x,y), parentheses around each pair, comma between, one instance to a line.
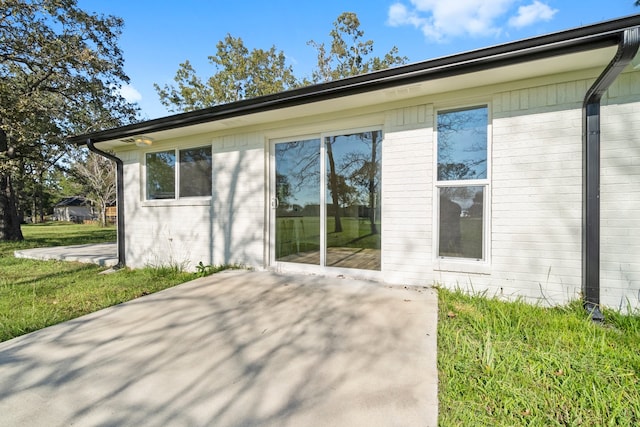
(177,199)
(461,264)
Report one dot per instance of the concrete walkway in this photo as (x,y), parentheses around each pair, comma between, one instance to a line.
(105,254)
(234,349)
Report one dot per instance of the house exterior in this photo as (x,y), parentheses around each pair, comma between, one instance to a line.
(72,209)
(513,169)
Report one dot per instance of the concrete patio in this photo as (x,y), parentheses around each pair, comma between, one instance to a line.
(104,254)
(237,348)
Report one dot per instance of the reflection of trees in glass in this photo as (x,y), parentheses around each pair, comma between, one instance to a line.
(354,159)
(346,194)
(462,144)
(161,175)
(283,188)
(353,173)
(334,189)
(367,173)
(195,172)
(298,172)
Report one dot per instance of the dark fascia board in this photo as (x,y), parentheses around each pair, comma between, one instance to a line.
(590,37)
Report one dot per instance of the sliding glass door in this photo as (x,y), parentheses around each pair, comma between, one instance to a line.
(326,197)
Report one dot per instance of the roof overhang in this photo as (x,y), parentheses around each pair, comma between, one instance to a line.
(578,49)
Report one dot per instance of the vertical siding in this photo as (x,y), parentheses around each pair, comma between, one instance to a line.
(620,194)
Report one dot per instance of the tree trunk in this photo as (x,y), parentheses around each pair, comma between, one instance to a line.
(9,219)
(34,209)
(103,214)
(333,182)
(40,218)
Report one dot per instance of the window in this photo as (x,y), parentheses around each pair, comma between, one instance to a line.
(462,182)
(193,173)
(161,180)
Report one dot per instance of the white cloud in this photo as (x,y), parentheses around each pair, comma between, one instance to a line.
(532,13)
(400,15)
(130,93)
(440,20)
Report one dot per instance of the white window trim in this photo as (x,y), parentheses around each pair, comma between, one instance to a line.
(456,264)
(177,200)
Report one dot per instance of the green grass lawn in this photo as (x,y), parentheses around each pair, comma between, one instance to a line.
(35,294)
(513,364)
(499,363)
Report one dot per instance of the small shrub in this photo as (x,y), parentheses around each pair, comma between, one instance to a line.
(207,270)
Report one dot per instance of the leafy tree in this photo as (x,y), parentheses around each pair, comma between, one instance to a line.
(60,71)
(349,55)
(98,177)
(239,74)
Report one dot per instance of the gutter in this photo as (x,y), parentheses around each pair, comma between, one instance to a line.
(119,198)
(579,39)
(627,50)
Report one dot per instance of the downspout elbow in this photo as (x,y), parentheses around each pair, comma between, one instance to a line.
(120,200)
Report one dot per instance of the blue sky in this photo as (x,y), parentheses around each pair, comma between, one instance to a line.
(160,34)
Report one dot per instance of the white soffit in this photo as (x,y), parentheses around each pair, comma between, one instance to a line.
(595,59)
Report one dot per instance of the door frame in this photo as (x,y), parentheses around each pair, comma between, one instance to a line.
(271,205)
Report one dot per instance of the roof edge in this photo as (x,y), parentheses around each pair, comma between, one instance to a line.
(589,37)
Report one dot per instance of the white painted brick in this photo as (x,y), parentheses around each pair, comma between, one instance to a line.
(535,189)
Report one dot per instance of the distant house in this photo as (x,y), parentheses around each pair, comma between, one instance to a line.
(111,213)
(513,169)
(76,209)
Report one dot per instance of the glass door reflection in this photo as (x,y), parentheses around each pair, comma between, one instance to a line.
(353,220)
(297,200)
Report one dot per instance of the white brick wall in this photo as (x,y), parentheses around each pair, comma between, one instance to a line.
(535,192)
(407,187)
(238,200)
(620,194)
(536,196)
(226,229)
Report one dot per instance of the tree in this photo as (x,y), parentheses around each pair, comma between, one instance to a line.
(239,74)
(98,176)
(348,54)
(60,70)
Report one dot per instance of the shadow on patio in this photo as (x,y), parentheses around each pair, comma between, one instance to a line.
(234,349)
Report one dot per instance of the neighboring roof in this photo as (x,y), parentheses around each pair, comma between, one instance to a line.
(587,38)
(72,201)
